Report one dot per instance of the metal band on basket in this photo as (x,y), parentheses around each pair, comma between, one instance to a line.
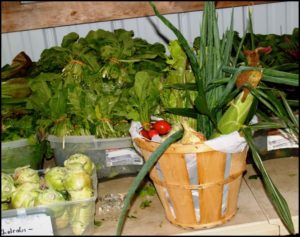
(229,180)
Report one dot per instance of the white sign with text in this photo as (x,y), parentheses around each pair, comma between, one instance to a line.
(36,224)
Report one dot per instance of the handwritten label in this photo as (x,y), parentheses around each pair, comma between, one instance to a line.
(275,142)
(124,156)
(37,224)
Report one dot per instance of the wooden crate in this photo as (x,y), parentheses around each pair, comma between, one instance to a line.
(211,198)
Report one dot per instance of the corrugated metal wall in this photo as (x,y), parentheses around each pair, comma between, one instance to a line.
(277,18)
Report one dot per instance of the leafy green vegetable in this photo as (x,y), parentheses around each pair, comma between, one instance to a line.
(147,190)
(89,85)
(15,88)
(145,203)
(174,95)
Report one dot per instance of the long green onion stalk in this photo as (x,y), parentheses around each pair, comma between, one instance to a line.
(142,174)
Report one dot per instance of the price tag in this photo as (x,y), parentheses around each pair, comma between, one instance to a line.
(34,224)
(275,142)
(121,157)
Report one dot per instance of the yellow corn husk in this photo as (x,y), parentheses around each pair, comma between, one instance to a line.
(235,116)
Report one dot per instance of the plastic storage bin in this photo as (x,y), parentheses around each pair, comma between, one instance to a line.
(20,153)
(112,157)
(40,220)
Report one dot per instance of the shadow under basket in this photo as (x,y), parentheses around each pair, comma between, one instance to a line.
(197,185)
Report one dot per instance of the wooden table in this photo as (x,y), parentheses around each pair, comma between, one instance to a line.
(255,216)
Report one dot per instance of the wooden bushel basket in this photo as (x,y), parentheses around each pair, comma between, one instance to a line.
(211,199)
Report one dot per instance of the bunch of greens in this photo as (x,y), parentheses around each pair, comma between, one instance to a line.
(16,120)
(220,107)
(172,97)
(284,55)
(142,100)
(88,85)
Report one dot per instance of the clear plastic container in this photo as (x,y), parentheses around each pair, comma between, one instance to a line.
(112,157)
(20,153)
(61,225)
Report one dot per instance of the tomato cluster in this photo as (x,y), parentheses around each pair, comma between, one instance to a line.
(160,127)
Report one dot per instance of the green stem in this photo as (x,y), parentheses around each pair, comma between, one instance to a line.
(273,193)
(142,173)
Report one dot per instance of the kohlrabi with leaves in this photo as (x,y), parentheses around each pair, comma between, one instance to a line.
(7,187)
(49,197)
(24,197)
(85,161)
(25,175)
(54,178)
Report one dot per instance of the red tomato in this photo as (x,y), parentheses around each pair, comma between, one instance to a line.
(145,134)
(162,127)
(152,132)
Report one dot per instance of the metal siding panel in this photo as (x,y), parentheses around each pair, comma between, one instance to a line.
(107,25)
(27,44)
(260,19)
(60,32)
(164,30)
(118,24)
(6,55)
(185,27)
(272,19)
(221,24)
(131,24)
(50,37)
(277,23)
(238,19)
(147,30)
(82,29)
(239,23)
(37,41)
(292,16)
(16,45)
(195,17)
